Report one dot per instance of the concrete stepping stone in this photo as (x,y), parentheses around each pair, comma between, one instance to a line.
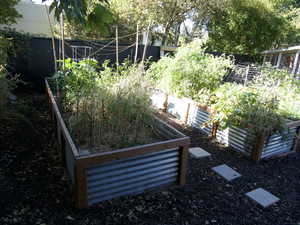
(262,197)
(226,172)
(199,153)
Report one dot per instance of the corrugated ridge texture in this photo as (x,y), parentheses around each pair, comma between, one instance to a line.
(240,139)
(279,143)
(132,175)
(197,118)
(70,161)
(158,99)
(177,107)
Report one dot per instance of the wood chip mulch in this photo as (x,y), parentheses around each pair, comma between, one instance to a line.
(35,190)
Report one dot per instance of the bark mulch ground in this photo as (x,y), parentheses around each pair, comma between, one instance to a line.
(35,190)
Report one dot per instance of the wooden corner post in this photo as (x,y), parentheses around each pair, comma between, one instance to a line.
(80,186)
(184,164)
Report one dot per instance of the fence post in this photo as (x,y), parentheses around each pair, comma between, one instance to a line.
(187,113)
(117,49)
(165,105)
(294,71)
(137,43)
(296,142)
(246,75)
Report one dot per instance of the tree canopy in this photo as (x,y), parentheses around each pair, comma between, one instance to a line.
(248,27)
(8,13)
(234,26)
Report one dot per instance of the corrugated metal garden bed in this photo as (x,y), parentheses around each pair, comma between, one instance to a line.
(258,147)
(102,176)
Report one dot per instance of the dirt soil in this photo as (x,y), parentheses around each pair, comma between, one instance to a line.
(35,190)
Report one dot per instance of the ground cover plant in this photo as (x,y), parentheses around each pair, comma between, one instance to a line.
(263,105)
(106,109)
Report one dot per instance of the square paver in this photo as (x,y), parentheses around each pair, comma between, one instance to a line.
(199,153)
(262,197)
(226,172)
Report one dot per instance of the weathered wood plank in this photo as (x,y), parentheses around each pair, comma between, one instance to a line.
(183,165)
(63,127)
(80,186)
(133,151)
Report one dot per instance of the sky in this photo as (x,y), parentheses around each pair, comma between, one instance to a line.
(48,2)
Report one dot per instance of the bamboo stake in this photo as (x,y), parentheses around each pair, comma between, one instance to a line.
(53,40)
(62,39)
(145,46)
(117,48)
(137,43)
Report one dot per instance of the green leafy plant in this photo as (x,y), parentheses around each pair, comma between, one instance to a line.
(8,13)
(246,107)
(6,84)
(107,109)
(283,86)
(191,72)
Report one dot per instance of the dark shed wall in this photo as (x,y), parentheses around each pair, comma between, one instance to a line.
(40,63)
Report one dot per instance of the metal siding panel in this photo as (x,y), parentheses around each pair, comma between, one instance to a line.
(132,175)
(138,187)
(132,162)
(70,161)
(132,191)
(198,119)
(158,99)
(277,144)
(160,170)
(239,139)
(177,107)
(129,183)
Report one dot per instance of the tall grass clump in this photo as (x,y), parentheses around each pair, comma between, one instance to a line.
(107,109)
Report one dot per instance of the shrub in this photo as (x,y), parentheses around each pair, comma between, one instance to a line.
(191,73)
(283,86)
(246,107)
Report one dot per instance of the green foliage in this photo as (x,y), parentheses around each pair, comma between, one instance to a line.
(84,18)
(6,84)
(100,19)
(168,15)
(245,107)
(75,10)
(18,48)
(106,109)
(8,13)
(247,27)
(191,73)
(78,80)
(283,86)
(264,105)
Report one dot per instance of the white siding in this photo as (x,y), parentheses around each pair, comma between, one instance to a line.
(34,19)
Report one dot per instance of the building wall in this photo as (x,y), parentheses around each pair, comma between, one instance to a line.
(34,20)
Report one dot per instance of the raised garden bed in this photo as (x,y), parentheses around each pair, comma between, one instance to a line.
(257,147)
(102,176)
